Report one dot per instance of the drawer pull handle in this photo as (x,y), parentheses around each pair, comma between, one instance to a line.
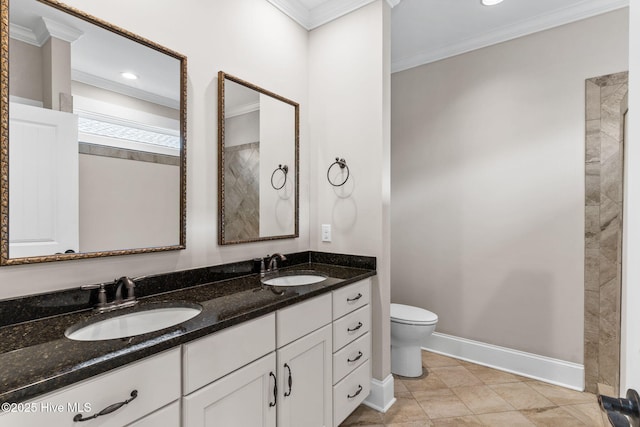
(360,325)
(289,381)
(275,390)
(358,357)
(356,393)
(109,409)
(356,298)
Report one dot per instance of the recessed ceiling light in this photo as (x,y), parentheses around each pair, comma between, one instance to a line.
(129,76)
(491,2)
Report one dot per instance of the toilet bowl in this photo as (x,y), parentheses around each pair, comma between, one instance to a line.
(409,328)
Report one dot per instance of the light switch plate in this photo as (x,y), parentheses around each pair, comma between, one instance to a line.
(326,232)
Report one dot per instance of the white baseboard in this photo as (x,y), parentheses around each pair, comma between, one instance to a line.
(554,371)
(381,397)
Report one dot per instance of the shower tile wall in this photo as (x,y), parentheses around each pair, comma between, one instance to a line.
(605,107)
(242,191)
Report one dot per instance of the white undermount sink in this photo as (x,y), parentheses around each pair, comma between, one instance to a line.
(134,323)
(294,279)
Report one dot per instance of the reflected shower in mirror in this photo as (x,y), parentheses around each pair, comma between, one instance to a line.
(258,163)
(96,134)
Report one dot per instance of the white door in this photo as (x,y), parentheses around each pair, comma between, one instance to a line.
(245,397)
(305,381)
(43,181)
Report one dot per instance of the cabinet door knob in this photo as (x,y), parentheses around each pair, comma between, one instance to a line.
(109,409)
(360,325)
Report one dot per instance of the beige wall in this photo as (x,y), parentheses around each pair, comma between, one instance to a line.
(25,69)
(127,204)
(247,38)
(121,100)
(242,129)
(349,69)
(488,186)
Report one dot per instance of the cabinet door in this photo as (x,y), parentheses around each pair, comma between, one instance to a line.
(304,381)
(243,398)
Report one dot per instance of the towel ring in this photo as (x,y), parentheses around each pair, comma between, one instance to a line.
(343,164)
(285,171)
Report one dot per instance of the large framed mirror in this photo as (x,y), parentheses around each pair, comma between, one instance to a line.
(258,163)
(93,138)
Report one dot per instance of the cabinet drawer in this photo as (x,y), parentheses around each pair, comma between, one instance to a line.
(351,392)
(302,318)
(351,356)
(351,297)
(351,326)
(156,379)
(169,416)
(214,356)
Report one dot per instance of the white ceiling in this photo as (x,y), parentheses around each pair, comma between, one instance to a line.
(424,31)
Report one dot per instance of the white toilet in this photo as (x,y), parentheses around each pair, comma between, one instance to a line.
(409,328)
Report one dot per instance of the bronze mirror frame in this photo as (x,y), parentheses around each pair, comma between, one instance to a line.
(4,139)
(222,76)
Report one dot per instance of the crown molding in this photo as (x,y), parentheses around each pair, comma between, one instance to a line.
(583,10)
(295,10)
(23,34)
(90,79)
(44,29)
(242,109)
(333,9)
(325,12)
(47,28)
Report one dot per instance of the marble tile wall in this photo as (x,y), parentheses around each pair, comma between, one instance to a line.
(242,192)
(605,107)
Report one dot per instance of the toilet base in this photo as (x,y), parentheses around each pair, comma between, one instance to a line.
(406,361)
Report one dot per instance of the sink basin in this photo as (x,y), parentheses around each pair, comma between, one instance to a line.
(152,318)
(294,279)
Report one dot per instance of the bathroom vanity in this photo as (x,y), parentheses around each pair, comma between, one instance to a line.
(256,355)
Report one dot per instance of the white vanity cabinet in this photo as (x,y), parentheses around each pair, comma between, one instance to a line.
(351,348)
(229,378)
(156,381)
(224,384)
(304,364)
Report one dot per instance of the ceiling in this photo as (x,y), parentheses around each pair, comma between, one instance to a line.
(98,56)
(424,31)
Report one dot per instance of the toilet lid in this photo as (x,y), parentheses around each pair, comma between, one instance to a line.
(407,314)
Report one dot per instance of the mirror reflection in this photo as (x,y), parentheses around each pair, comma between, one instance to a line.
(96,138)
(258,156)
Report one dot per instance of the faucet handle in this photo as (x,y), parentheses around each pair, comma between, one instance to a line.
(102,293)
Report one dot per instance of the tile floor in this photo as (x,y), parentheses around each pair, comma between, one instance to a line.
(458,393)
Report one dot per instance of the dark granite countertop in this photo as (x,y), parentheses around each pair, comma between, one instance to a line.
(36,357)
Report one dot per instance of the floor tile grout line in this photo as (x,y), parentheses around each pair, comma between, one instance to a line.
(577,410)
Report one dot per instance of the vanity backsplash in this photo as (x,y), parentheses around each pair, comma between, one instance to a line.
(33,307)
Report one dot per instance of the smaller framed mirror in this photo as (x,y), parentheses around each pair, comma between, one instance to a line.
(258,163)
